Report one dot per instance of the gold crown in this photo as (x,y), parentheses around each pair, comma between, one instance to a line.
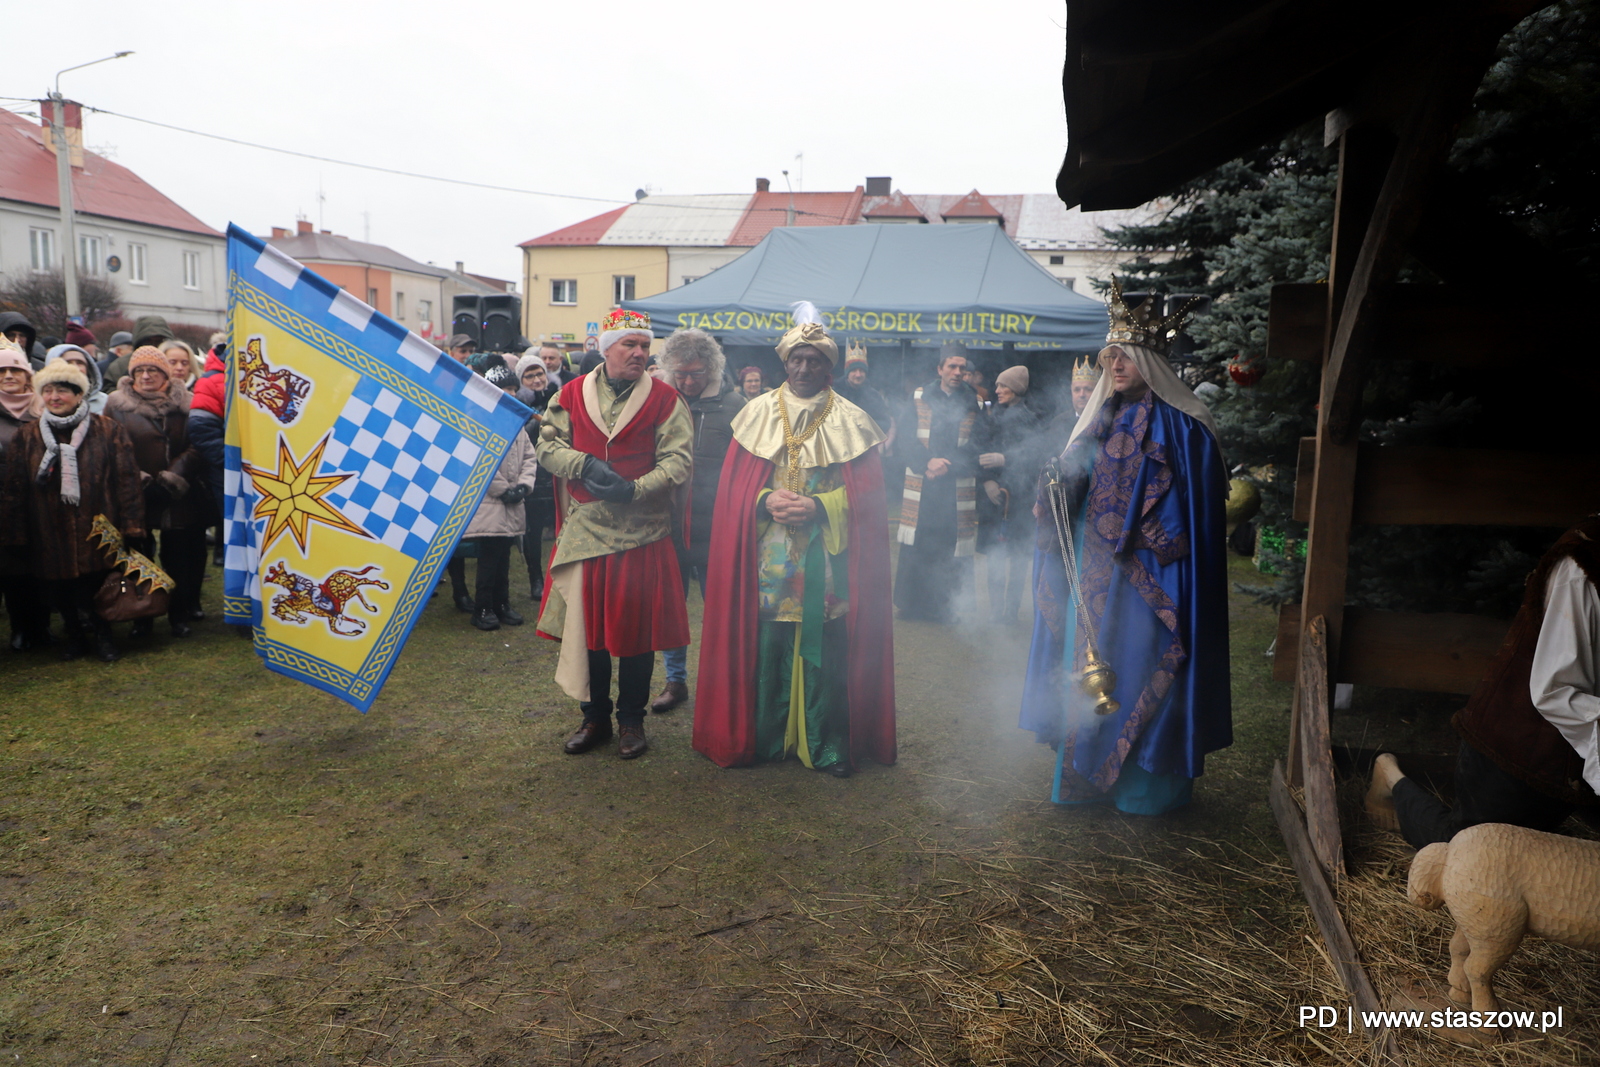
(855,352)
(1143,325)
(1086,369)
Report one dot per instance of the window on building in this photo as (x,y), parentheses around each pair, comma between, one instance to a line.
(89,258)
(136,258)
(621,288)
(372,298)
(425,310)
(42,247)
(191,270)
(563,290)
(1070,283)
(399,305)
(1056,261)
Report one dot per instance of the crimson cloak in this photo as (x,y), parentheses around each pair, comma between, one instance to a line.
(725,698)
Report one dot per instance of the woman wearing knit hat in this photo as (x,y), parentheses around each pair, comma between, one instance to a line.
(539,510)
(1009,472)
(61,471)
(154,410)
(84,362)
(25,603)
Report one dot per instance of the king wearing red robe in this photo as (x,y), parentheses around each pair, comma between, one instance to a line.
(797,649)
(618,442)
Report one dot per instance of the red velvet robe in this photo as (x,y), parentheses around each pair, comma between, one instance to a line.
(725,699)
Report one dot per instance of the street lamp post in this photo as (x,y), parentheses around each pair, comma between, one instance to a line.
(58,137)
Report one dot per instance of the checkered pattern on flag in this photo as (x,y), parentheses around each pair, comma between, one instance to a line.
(356,455)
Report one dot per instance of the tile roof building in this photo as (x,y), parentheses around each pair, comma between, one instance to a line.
(573,276)
(162,259)
(417,295)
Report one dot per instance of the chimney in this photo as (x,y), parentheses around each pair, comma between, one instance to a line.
(763,185)
(74,129)
(302,226)
(879,186)
(279,231)
(460,267)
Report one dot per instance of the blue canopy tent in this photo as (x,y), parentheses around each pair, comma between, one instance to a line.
(887,284)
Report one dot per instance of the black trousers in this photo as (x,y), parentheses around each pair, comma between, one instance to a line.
(539,513)
(1484,793)
(183,556)
(457,569)
(494,572)
(1010,566)
(633,687)
(74,599)
(26,606)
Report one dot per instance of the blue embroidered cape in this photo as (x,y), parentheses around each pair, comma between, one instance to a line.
(1146,489)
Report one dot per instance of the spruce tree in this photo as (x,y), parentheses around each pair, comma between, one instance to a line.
(1531,147)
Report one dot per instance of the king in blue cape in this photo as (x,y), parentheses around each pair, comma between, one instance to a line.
(1143,484)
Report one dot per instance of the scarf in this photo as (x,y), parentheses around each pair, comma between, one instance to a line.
(78,423)
(966,488)
(17,404)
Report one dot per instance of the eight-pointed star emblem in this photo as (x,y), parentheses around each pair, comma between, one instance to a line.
(291,496)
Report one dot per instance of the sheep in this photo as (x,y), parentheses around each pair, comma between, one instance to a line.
(1501,882)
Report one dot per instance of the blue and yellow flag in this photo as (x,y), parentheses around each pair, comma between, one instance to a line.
(356,455)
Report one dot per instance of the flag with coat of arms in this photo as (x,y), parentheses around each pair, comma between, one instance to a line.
(356,454)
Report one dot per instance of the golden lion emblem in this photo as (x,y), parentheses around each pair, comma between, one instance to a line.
(305,599)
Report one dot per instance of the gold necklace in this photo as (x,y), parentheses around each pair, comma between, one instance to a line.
(792,478)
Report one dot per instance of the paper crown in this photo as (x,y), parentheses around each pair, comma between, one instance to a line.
(855,352)
(1085,370)
(622,319)
(1143,325)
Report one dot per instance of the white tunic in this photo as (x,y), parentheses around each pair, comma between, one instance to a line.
(1565,681)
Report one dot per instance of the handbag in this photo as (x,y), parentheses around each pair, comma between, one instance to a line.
(122,599)
(136,588)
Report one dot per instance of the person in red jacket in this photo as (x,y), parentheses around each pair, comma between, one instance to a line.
(207,408)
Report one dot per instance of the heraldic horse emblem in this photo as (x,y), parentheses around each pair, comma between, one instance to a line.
(327,601)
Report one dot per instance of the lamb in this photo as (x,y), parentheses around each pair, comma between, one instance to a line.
(1501,882)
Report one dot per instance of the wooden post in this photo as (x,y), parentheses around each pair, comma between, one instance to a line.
(1364,155)
(1322,807)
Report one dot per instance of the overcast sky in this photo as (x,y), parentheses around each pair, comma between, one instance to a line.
(595,99)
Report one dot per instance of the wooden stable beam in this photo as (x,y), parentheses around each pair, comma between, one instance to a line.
(1335,935)
(1422,486)
(1440,324)
(1316,752)
(1436,652)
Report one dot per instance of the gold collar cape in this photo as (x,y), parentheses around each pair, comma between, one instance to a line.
(847,433)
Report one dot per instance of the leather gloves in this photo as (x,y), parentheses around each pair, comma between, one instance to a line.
(515,495)
(602,480)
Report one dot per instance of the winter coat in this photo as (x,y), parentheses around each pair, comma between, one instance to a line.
(209,392)
(1017,434)
(713,433)
(161,444)
(13,560)
(494,518)
(56,532)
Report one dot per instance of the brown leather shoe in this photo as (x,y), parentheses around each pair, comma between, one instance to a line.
(587,736)
(632,744)
(671,695)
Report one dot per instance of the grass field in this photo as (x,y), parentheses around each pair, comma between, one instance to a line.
(204,863)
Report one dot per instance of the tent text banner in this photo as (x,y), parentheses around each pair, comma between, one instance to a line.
(885,285)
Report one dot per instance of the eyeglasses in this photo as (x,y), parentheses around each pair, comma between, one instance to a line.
(690,375)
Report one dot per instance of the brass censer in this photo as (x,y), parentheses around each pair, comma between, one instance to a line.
(1098,679)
